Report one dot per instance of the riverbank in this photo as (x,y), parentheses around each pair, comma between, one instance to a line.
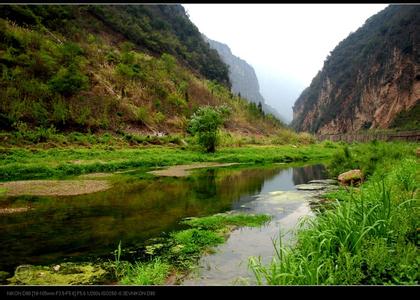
(368,236)
(37,163)
(166,260)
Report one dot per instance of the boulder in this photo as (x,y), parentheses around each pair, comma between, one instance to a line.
(352,177)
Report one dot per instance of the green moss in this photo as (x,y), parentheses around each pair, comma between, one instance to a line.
(65,274)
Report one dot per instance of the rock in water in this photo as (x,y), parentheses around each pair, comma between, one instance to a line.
(352,177)
(324,181)
(311,187)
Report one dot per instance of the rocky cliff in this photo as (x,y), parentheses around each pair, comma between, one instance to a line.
(370,79)
(242,76)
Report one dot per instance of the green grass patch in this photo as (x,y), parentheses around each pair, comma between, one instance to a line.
(21,164)
(221,221)
(193,241)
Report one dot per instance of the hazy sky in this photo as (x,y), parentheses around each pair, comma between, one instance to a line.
(285,43)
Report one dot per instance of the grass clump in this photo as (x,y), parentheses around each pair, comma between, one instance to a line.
(154,272)
(193,241)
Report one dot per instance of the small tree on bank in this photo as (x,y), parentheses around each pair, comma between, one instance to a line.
(205,124)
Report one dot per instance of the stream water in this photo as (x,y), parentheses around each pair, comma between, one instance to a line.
(90,226)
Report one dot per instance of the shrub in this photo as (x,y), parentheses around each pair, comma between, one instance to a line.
(285,137)
(143,115)
(69,81)
(60,112)
(205,124)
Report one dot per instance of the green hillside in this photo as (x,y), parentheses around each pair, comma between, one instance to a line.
(123,69)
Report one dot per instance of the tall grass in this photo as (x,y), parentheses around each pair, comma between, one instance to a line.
(368,237)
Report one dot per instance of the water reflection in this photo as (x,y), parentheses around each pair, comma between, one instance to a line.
(307,173)
(74,227)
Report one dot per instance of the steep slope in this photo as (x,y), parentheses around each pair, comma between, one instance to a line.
(138,69)
(242,76)
(369,79)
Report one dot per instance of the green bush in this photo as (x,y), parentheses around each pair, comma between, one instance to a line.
(205,124)
(60,112)
(69,81)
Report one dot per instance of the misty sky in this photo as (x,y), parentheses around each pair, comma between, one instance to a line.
(285,43)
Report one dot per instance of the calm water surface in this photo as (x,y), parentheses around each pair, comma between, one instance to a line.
(90,226)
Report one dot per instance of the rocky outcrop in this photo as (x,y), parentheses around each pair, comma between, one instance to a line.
(242,76)
(368,80)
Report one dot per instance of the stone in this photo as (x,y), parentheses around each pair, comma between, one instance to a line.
(352,177)
(311,187)
(324,181)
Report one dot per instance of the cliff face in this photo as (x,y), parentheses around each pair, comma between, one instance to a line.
(242,76)
(369,79)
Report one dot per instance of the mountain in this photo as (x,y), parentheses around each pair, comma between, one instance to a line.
(118,68)
(242,76)
(370,80)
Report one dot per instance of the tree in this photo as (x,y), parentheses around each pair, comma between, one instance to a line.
(205,123)
(260,107)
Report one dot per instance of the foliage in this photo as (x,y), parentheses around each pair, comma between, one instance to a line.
(367,156)
(165,28)
(205,124)
(407,120)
